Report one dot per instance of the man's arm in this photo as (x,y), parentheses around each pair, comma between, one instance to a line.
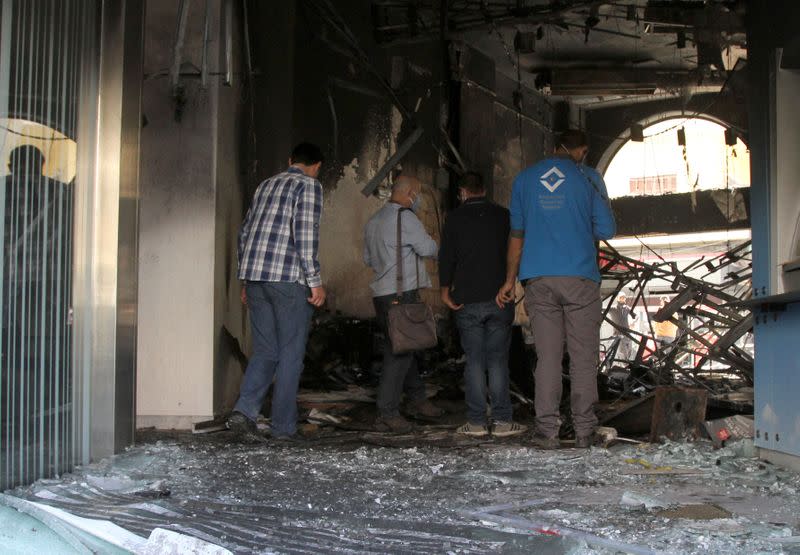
(516,240)
(308,210)
(247,225)
(414,234)
(513,257)
(603,224)
(367,257)
(447,256)
(447,265)
(244,233)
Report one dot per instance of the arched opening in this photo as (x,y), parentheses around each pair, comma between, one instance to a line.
(679,155)
(665,178)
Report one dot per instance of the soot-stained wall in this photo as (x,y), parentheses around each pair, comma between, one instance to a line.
(327,95)
(323,91)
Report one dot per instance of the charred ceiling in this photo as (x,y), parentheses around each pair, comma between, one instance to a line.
(584,50)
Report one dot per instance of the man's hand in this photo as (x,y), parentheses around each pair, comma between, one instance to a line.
(505,295)
(243,295)
(317,297)
(446,299)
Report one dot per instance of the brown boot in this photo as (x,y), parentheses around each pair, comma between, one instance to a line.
(423,408)
(394,424)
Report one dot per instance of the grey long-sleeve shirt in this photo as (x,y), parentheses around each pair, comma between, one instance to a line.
(380,243)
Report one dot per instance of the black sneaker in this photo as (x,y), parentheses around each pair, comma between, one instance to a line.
(239,424)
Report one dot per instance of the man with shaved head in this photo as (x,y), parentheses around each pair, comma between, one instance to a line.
(380,253)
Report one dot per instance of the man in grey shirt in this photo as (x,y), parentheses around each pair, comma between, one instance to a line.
(380,254)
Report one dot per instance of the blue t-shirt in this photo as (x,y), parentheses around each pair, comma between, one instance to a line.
(562,209)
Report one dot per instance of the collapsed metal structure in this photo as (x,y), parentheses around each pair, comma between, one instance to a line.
(712,349)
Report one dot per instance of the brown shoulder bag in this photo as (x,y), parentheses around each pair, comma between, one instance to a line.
(411,325)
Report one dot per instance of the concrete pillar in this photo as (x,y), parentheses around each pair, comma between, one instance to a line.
(191,204)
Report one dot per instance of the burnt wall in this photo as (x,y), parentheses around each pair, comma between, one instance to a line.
(322,90)
(312,85)
(683,212)
(502,128)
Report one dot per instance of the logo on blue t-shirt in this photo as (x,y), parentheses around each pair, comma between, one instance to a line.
(552,179)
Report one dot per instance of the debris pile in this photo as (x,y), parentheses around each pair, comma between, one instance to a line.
(711,345)
(676,351)
(677,348)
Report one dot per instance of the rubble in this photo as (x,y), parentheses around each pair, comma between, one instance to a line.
(672,412)
(710,355)
(651,385)
(731,429)
(712,349)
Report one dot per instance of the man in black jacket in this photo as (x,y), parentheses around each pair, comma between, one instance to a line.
(472,267)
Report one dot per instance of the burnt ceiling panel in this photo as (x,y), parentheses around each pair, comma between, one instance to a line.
(669,47)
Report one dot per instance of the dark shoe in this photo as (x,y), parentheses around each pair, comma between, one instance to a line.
(584,442)
(293,439)
(244,429)
(240,424)
(395,424)
(424,408)
(546,443)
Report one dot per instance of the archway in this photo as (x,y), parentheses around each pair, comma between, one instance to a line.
(694,160)
(678,155)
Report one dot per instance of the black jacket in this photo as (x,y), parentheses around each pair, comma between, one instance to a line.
(472,257)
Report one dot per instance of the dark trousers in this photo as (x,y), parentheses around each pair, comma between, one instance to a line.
(485,332)
(400,372)
(565,308)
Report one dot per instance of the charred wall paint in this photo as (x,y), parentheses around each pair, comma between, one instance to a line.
(270,106)
(683,212)
(330,98)
(520,141)
(336,102)
(502,128)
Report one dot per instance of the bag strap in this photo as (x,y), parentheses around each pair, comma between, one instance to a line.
(399,256)
(399,263)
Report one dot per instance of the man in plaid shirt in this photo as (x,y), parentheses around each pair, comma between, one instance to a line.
(279,269)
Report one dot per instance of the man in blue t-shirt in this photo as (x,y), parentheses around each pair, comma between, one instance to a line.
(559,209)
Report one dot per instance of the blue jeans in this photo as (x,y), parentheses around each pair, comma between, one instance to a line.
(280,317)
(485,331)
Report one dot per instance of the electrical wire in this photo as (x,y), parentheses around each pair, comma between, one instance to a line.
(27,136)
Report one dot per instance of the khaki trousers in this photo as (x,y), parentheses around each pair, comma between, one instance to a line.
(565,310)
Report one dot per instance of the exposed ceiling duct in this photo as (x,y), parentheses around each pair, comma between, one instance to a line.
(623,81)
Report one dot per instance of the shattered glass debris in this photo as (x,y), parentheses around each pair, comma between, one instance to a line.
(334,494)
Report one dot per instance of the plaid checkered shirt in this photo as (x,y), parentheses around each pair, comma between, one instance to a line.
(279,239)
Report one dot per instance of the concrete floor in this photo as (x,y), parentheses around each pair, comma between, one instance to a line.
(435,492)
